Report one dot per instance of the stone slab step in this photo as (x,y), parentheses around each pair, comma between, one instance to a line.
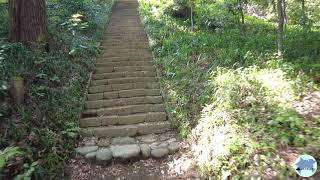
(121,39)
(118,51)
(134,44)
(124,74)
(125,28)
(122,80)
(123,110)
(123,94)
(127,130)
(125,46)
(123,34)
(123,120)
(117,43)
(125,63)
(129,19)
(134,33)
(128,53)
(124,69)
(125,58)
(125,86)
(120,19)
(97,104)
(125,38)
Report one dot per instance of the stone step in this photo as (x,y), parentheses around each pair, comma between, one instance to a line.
(97,104)
(123,94)
(120,18)
(118,42)
(125,29)
(124,63)
(123,120)
(125,58)
(122,80)
(124,38)
(125,86)
(125,47)
(127,55)
(130,44)
(116,52)
(127,130)
(123,110)
(123,75)
(129,24)
(120,21)
(102,70)
(123,33)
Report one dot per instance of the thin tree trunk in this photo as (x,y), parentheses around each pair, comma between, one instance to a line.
(285,17)
(28,22)
(303,14)
(242,18)
(242,13)
(280,27)
(274,6)
(191,16)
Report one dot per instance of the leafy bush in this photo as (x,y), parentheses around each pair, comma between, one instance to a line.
(46,126)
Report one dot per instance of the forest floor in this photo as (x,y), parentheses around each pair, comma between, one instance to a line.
(177,166)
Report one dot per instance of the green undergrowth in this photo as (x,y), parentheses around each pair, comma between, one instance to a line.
(226,89)
(37,137)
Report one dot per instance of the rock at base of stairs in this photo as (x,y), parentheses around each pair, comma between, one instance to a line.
(125,149)
(173,147)
(90,156)
(104,156)
(123,141)
(86,149)
(159,153)
(124,152)
(145,150)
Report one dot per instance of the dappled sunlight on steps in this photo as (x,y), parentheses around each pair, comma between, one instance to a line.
(123,116)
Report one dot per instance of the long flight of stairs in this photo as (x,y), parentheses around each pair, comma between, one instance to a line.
(123,116)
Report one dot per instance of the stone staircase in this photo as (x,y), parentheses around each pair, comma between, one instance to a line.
(123,116)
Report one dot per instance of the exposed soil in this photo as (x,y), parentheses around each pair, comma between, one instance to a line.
(177,166)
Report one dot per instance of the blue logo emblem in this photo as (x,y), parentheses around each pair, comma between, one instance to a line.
(305,165)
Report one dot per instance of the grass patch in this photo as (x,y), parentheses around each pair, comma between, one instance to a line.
(230,93)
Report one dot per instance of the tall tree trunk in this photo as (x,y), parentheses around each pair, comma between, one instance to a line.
(28,22)
(280,27)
